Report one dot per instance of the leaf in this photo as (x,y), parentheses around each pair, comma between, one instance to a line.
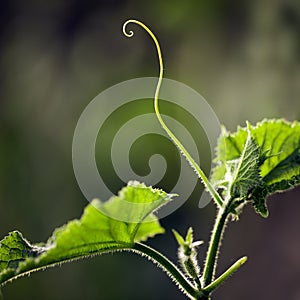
(94,233)
(244,172)
(14,249)
(273,148)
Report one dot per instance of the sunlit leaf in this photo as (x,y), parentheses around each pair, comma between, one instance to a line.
(272,165)
(94,233)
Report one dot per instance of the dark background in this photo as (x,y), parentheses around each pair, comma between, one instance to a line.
(56,56)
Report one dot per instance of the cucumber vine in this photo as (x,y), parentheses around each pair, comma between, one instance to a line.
(250,164)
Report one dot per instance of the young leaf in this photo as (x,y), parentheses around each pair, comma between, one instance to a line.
(274,151)
(94,233)
(187,254)
(245,170)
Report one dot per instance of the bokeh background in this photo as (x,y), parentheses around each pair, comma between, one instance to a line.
(56,56)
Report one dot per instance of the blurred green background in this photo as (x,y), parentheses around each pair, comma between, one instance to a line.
(56,56)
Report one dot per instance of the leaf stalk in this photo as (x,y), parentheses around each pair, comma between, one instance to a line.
(170,269)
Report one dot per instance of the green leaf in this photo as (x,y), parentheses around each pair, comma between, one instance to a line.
(15,249)
(265,159)
(187,255)
(244,172)
(94,233)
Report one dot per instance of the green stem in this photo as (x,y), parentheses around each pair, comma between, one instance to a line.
(216,283)
(169,268)
(214,246)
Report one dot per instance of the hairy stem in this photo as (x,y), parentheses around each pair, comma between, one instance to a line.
(214,246)
(170,269)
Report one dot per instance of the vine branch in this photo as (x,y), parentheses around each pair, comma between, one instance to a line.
(215,195)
